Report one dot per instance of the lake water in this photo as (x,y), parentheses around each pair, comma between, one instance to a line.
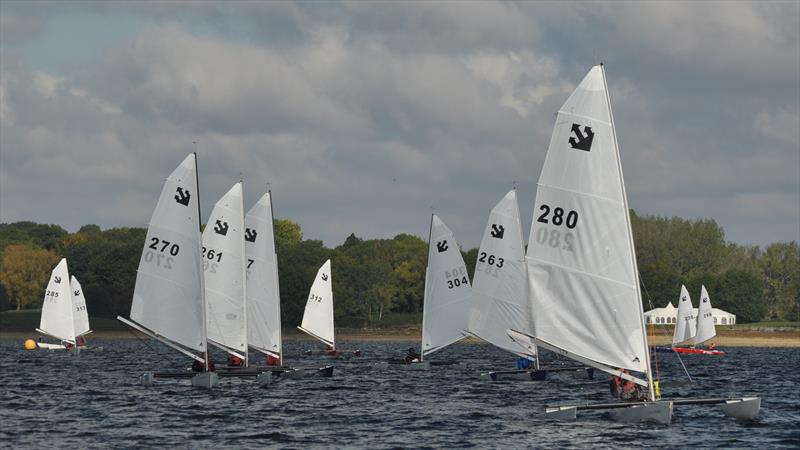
(94,400)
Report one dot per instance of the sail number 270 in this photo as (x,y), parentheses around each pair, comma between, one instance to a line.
(162,249)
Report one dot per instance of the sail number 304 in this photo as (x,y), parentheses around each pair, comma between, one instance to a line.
(456,277)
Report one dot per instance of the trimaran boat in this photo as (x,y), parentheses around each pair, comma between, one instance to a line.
(500,293)
(64,314)
(584,282)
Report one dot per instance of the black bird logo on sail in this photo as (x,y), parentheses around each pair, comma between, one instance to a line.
(57,279)
(182,196)
(584,138)
(221,228)
(76,293)
(324,277)
(250,235)
(441,246)
(498,231)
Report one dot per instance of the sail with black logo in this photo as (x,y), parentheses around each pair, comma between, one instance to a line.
(706,330)
(318,315)
(685,320)
(263,293)
(168,298)
(224,272)
(582,273)
(447,291)
(58,313)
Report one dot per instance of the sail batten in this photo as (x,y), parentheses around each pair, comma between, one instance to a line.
(582,276)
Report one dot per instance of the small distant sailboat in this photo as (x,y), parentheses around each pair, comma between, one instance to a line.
(318,315)
(685,323)
(705,329)
(169,297)
(582,270)
(64,316)
(224,273)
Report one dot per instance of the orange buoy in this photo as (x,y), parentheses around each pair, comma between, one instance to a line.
(30,344)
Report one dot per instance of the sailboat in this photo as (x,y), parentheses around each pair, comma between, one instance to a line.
(318,315)
(582,273)
(705,330)
(263,292)
(224,274)
(685,323)
(64,314)
(169,297)
(447,295)
(500,292)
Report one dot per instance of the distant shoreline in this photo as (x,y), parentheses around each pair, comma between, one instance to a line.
(725,338)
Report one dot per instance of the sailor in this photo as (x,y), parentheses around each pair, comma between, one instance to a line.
(79,341)
(330,351)
(199,366)
(234,361)
(411,355)
(523,363)
(712,346)
(273,360)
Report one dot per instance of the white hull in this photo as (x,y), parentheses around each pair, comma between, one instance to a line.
(746,408)
(659,412)
(205,380)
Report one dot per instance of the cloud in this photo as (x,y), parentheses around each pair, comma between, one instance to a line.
(18,29)
(783,126)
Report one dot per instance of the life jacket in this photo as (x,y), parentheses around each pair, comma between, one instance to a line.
(273,360)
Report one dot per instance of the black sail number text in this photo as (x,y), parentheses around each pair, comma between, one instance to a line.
(558,218)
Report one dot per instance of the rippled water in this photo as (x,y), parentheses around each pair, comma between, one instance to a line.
(94,400)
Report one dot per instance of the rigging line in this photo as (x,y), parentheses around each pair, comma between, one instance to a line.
(650,302)
(157,350)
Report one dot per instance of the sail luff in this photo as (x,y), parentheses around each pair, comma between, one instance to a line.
(277,278)
(639,305)
(203,304)
(425,292)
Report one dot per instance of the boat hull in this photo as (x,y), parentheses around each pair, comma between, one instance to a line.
(696,351)
(658,412)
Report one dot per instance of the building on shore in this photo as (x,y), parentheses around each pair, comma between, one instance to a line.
(669,313)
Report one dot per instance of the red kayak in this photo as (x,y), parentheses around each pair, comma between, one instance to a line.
(696,351)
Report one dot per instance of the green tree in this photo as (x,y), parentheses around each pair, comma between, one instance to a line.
(24,272)
(780,266)
(37,235)
(287,233)
(739,291)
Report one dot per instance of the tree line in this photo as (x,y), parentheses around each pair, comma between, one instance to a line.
(376,278)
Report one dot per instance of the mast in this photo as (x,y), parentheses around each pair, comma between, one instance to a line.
(425,293)
(527,285)
(204,331)
(244,281)
(651,392)
(277,280)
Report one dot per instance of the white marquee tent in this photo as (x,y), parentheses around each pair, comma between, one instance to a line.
(668,314)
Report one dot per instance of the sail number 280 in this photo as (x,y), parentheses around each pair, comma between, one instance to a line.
(558,218)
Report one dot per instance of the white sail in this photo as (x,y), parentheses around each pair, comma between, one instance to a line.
(57,313)
(500,287)
(224,272)
(318,316)
(447,291)
(685,321)
(168,297)
(705,319)
(81,315)
(263,295)
(582,271)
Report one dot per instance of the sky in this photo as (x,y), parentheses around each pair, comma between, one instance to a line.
(366,117)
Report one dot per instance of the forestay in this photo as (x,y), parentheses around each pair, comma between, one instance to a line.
(705,319)
(263,295)
(81,315)
(581,265)
(168,297)
(685,321)
(57,313)
(224,272)
(447,291)
(318,316)
(499,288)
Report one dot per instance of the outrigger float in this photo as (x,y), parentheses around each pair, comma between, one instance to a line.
(586,301)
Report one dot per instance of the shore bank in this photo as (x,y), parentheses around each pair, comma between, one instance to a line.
(725,338)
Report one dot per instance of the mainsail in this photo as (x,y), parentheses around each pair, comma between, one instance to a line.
(582,270)
(81,315)
(684,323)
(224,273)
(318,316)
(447,291)
(168,297)
(499,287)
(263,295)
(57,312)
(705,319)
